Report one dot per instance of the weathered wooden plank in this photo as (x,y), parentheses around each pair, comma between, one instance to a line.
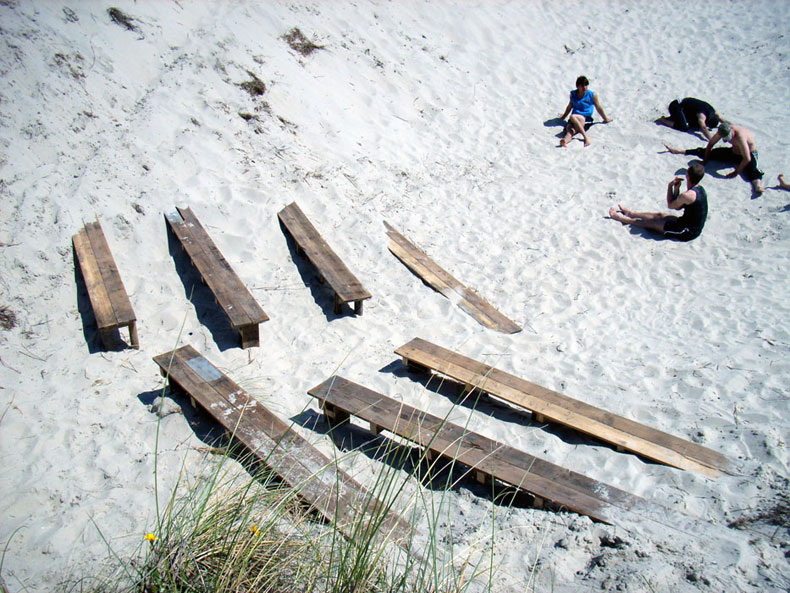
(481,454)
(440,280)
(119,299)
(343,282)
(617,430)
(100,300)
(229,292)
(222,279)
(316,478)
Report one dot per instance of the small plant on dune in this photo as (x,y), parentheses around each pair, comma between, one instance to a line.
(297,41)
(121,18)
(7,318)
(255,86)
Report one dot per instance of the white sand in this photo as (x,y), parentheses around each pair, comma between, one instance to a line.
(429,116)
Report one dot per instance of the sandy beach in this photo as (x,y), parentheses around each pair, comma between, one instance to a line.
(441,119)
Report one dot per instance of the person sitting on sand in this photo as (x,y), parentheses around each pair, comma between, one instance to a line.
(743,153)
(581,103)
(691,114)
(693,202)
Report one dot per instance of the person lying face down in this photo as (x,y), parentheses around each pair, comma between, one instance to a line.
(691,114)
(693,202)
(580,106)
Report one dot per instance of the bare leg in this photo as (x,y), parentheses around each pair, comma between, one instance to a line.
(568,135)
(642,215)
(578,123)
(666,121)
(655,223)
(674,150)
(782,183)
(757,184)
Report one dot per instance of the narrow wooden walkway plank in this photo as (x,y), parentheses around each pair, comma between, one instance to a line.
(345,285)
(550,405)
(229,291)
(440,280)
(484,456)
(109,300)
(316,478)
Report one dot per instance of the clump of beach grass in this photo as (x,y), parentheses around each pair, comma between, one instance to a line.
(236,528)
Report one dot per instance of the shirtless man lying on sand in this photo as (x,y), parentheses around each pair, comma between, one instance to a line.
(743,153)
(693,202)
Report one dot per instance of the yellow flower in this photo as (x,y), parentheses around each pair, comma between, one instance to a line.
(150,537)
(254,530)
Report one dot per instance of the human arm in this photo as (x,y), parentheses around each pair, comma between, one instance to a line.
(682,200)
(703,126)
(673,191)
(567,111)
(599,109)
(711,143)
(746,155)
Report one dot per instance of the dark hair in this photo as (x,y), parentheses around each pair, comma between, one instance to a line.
(582,80)
(696,173)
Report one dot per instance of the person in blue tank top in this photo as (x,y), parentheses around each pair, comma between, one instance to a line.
(693,202)
(580,106)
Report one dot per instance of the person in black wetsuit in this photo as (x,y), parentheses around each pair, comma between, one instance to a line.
(693,202)
(691,114)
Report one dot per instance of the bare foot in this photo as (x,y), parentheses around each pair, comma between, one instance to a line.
(625,210)
(587,141)
(782,183)
(674,150)
(758,187)
(563,142)
(615,215)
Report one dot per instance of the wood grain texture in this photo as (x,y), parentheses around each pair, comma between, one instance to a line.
(229,291)
(440,280)
(316,478)
(563,487)
(556,407)
(320,254)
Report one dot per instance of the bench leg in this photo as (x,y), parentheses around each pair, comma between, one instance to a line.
(108,338)
(249,335)
(358,307)
(338,305)
(415,367)
(335,415)
(133,335)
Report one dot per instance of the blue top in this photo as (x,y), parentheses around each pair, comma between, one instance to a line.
(583,106)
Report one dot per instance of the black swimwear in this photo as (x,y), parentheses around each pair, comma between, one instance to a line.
(727,155)
(689,225)
(684,114)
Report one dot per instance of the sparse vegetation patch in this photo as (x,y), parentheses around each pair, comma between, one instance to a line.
(255,86)
(7,318)
(120,18)
(297,41)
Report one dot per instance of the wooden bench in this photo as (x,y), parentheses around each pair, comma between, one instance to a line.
(331,268)
(442,282)
(108,297)
(546,404)
(229,292)
(316,478)
(487,458)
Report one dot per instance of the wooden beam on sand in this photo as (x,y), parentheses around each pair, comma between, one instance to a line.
(441,281)
(550,405)
(316,479)
(486,458)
